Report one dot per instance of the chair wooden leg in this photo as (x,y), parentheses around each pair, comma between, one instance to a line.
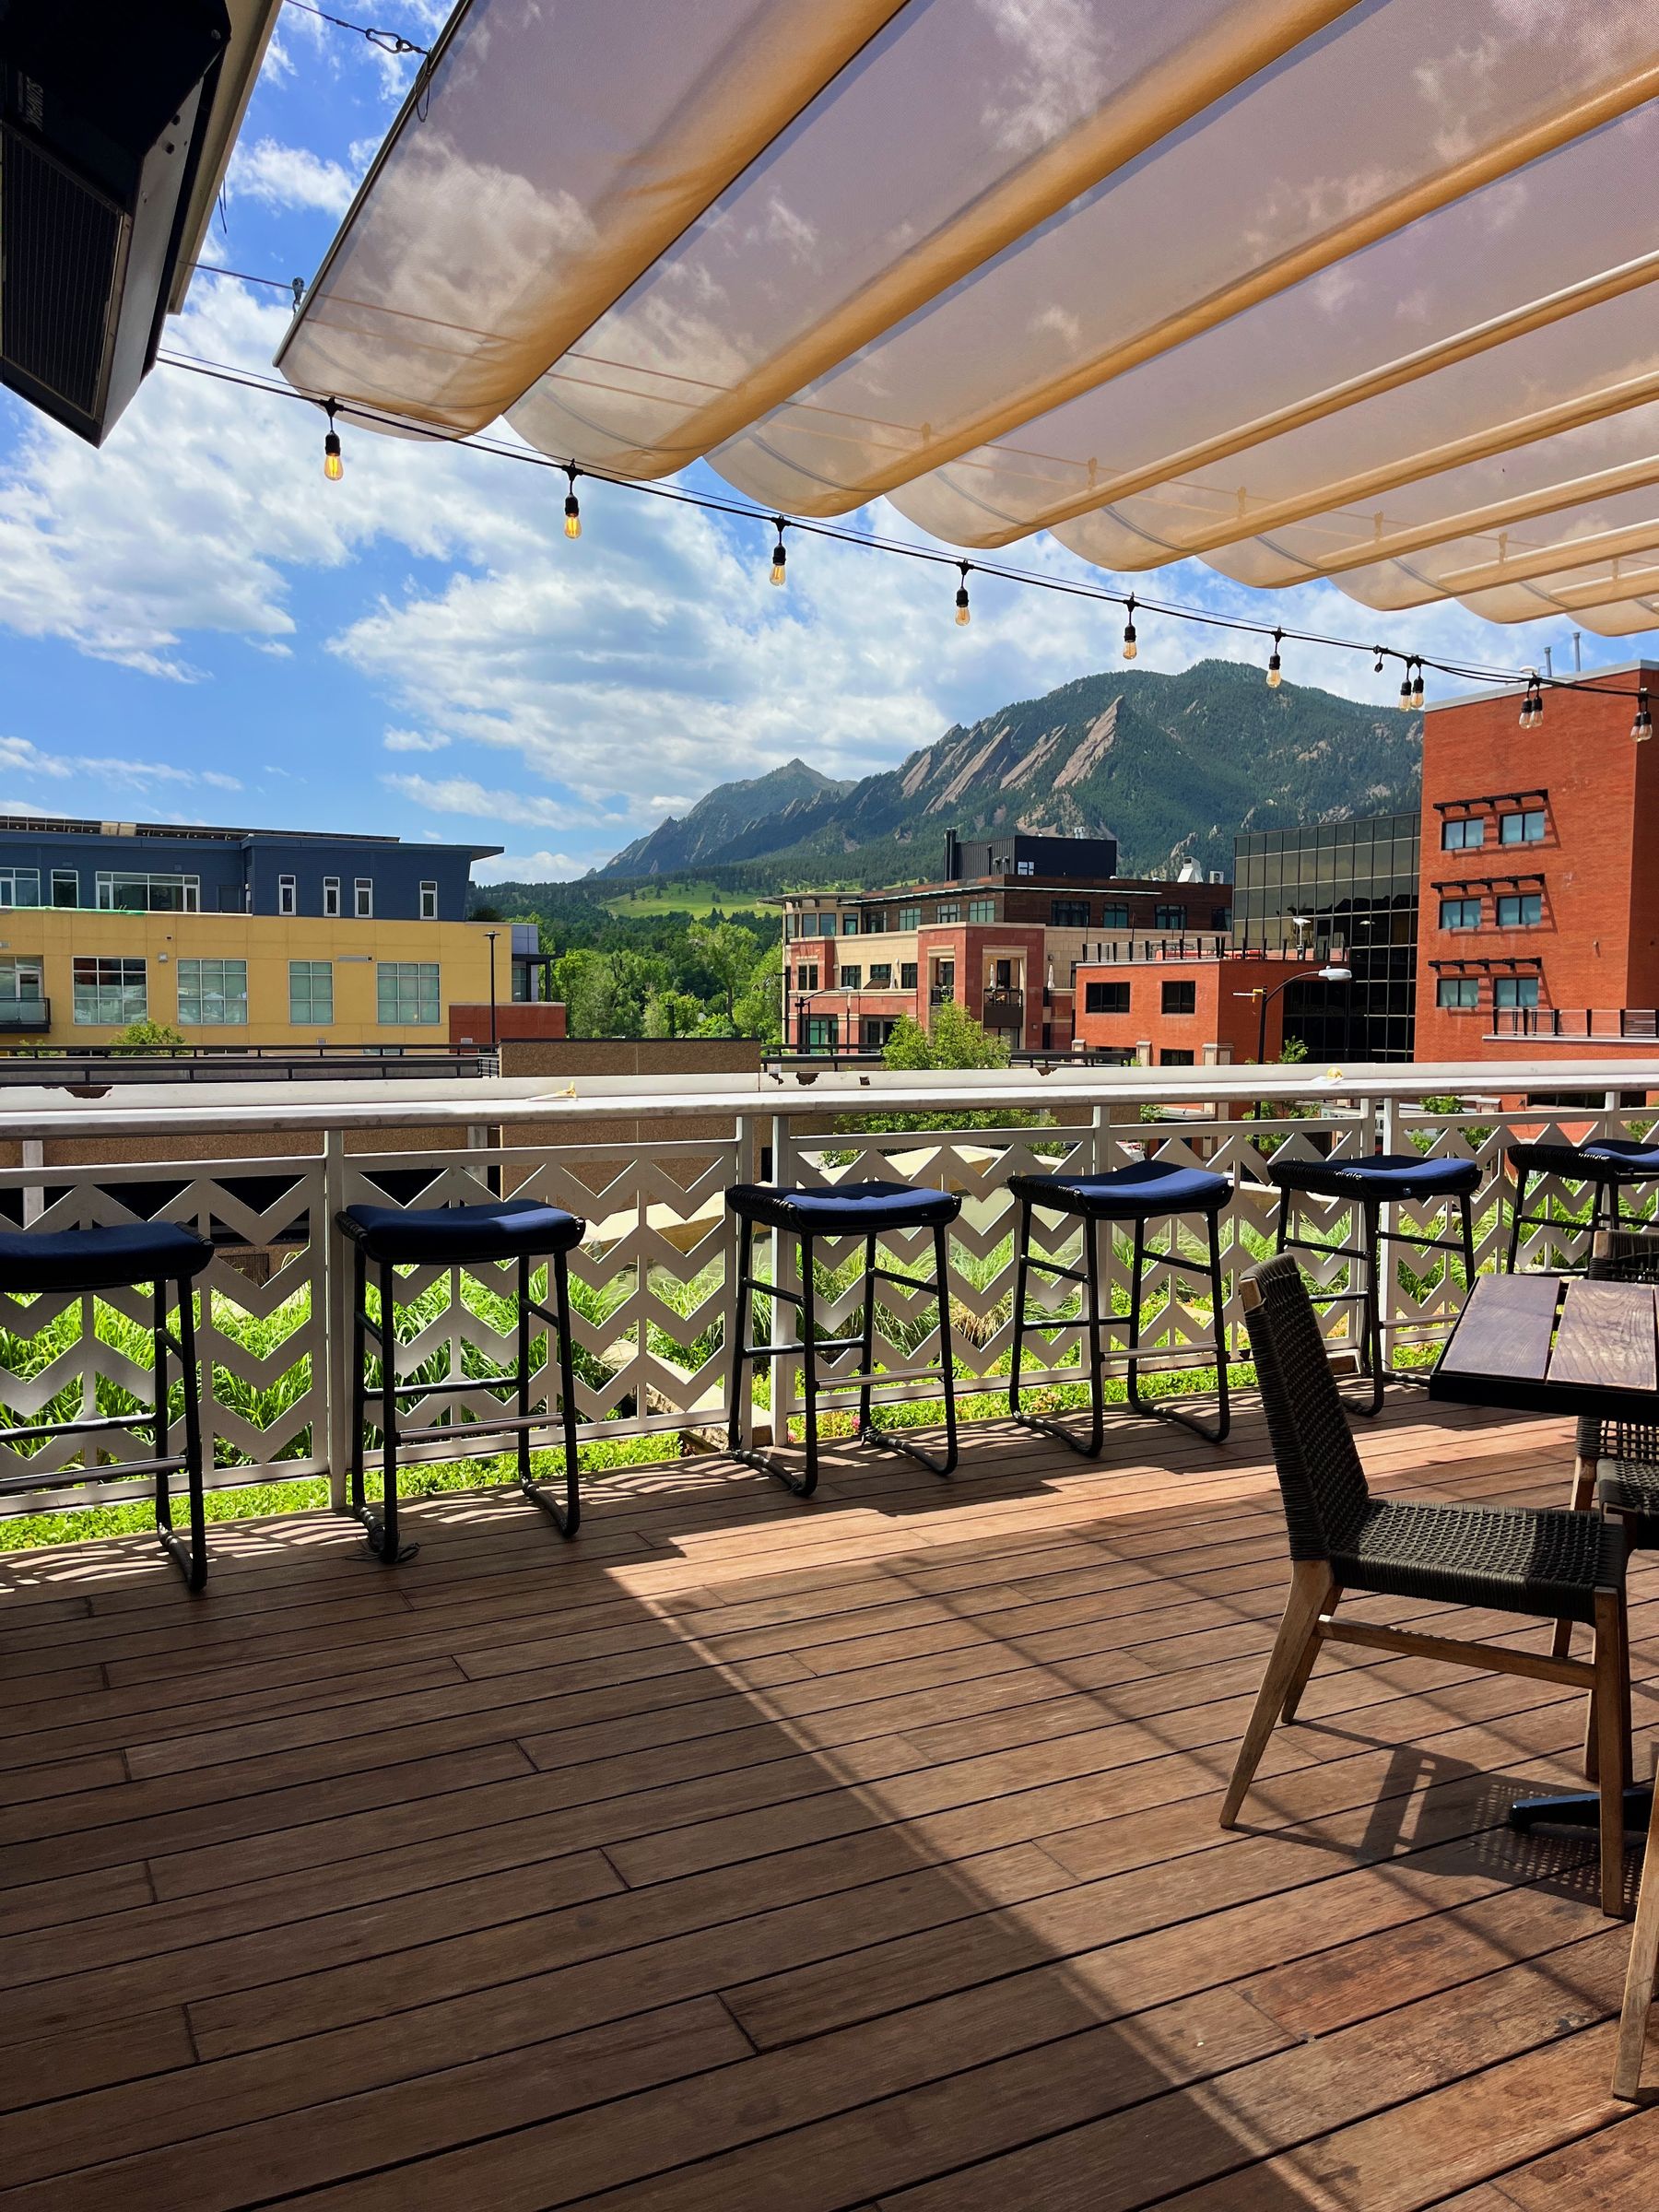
(1645,1966)
(1581,1496)
(1310,1587)
(1309,1658)
(1613,1761)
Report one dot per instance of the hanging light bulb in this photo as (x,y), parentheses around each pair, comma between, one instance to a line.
(780,557)
(962,614)
(1416,687)
(573,504)
(1406,689)
(1273,676)
(333,467)
(1131,645)
(1378,669)
(1642,727)
(1532,706)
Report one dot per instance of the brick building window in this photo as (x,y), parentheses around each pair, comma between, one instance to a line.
(849,926)
(1070,913)
(1460,913)
(1512,992)
(1457,993)
(1114,917)
(1106,998)
(1463,834)
(981,910)
(1180,998)
(1170,917)
(907,975)
(1523,910)
(910,917)
(949,910)
(851,979)
(1175,1055)
(806,978)
(875,922)
(881,975)
(1526,828)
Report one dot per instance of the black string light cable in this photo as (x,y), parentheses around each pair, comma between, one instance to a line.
(389,42)
(1412,662)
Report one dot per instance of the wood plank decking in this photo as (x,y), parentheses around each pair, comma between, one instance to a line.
(751,1854)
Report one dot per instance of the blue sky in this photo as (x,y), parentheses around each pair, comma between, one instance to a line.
(194,626)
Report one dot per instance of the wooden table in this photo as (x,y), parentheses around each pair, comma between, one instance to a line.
(1558,1345)
(1555,1343)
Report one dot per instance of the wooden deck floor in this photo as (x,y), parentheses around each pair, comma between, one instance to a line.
(753,1856)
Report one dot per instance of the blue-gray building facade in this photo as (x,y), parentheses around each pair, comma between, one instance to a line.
(150,867)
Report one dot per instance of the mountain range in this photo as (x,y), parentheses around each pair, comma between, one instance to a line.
(1172,766)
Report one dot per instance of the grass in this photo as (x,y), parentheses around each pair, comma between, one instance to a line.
(696,897)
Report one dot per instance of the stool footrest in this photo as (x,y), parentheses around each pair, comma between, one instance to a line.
(459,1431)
(448,1387)
(58,1478)
(94,1424)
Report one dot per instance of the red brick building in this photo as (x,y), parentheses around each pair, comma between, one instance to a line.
(1001,936)
(1192,1012)
(1540,875)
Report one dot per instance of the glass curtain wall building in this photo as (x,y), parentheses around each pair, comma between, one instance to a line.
(1354,886)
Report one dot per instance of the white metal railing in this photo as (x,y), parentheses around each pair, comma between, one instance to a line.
(651,1282)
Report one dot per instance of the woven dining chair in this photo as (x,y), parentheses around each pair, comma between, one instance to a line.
(1545,1565)
(1615,1464)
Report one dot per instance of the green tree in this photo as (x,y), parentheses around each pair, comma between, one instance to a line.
(150,1037)
(956,1040)
(672,1014)
(759,1012)
(729,954)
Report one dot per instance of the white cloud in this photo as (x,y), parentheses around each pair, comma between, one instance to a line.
(529,867)
(413,741)
(459,794)
(23,758)
(290,177)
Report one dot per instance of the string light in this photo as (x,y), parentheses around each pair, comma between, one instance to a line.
(1532,706)
(963,614)
(1131,644)
(572,505)
(780,556)
(1642,727)
(1406,689)
(1274,676)
(1416,688)
(334,468)
(1202,618)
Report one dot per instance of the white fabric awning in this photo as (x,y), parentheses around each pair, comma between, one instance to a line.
(1303,289)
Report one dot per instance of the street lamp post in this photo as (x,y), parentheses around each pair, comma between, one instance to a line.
(490,935)
(1264,996)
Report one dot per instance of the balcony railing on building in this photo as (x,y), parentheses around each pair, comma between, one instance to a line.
(1004,1008)
(1576,1025)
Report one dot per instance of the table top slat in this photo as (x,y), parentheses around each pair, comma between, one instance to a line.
(1607,1337)
(1505,1328)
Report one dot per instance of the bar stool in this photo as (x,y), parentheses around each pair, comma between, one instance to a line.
(1607,1163)
(83,1260)
(1368,1184)
(1144,1191)
(388,1237)
(865,1209)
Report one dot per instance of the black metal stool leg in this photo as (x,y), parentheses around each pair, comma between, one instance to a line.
(1370,1224)
(1086,1447)
(381,1527)
(808,1480)
(1467,1207)
(357,1501)
(1136,1268)
(935,1463)
(868,1340)
(192,1559)
(742,1321)
(1161,1409)
(565,1517)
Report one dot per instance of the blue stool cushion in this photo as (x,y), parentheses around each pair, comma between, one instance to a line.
(101,1259)
(1382,1175)
(848,1208)
(1137,1192)
(499,1229)
(1633,1159)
